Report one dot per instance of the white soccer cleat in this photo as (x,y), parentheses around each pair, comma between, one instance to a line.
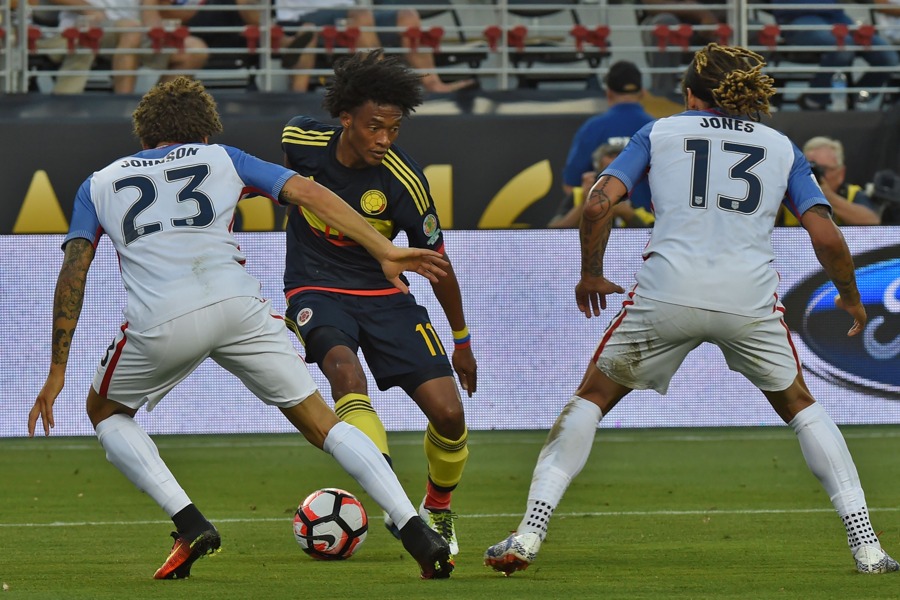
(514,553)
(872,559)
(442,522)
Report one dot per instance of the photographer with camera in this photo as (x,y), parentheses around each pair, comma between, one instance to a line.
(849,203)
(885,193)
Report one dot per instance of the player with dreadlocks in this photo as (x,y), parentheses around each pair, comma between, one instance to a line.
(337,305)
(717,178)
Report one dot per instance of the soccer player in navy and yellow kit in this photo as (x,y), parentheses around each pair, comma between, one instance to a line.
(338,301)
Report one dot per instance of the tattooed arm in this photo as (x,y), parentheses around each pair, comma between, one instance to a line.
(834,256)
(67,302)
(596,224)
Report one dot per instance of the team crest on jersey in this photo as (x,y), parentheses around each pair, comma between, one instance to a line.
(373,202)
(304,316)
(430,228)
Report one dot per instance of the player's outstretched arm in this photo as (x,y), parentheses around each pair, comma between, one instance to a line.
(834,256)
(338,214)
(67,302)
(448,294)
(596,224)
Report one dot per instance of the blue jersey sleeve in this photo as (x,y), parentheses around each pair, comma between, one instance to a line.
(631,165)
(803,191)
(85,223)
(266,177)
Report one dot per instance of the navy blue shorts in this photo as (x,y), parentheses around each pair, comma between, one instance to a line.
(395,334)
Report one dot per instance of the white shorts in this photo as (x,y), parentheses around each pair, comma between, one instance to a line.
(243,335)
(648,340)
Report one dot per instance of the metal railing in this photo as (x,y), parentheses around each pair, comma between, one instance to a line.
(491,41)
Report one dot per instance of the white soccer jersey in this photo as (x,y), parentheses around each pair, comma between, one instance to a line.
(717,183)
(169,213)
(294,10)
(115,10)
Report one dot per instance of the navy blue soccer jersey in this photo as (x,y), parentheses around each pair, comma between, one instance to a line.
(393,196)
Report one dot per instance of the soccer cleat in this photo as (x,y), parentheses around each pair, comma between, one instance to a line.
(185,551)
(872,559)
(429,549)
(391,526)
(514,553)
(442,522)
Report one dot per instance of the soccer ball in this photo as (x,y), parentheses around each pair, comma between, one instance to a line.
(331,524)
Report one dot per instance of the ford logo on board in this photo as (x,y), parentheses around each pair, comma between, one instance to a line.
(867,362)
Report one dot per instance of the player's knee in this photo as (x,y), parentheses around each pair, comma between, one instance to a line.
(346,379)
(99,408)
(448,420)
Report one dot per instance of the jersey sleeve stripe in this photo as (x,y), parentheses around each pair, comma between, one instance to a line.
(409,179)
(306,137)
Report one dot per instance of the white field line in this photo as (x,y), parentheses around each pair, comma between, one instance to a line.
(604,436)
(563,515)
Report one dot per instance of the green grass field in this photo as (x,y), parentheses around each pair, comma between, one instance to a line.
(669,514)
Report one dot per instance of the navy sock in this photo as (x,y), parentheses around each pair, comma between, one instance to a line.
(189,520)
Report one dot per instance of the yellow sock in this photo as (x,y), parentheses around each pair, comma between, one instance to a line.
(446,458)
(357,410)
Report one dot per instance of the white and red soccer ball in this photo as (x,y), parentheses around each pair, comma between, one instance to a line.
(330,524)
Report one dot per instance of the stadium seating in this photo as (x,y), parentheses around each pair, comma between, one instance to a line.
(505,45)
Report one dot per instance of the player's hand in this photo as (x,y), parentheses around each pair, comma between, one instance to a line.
(43,406)
(466,369)
(857,311)
(590,294)
(427,263)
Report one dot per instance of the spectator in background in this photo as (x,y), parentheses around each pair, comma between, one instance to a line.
(301,15)
(885,193)
(887,18)
(668,85)
(230,16)
(850,204)
(569,212)
(118,14)
(623,117)
(825,19)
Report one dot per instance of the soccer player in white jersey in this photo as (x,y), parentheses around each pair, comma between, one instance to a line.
(718,178)
(168,211)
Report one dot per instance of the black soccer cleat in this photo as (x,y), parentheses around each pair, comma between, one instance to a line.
(430,550)
(185,551)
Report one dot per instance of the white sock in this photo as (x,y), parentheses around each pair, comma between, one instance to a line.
(130,449)
(563,456)
(829,459)
(364,462)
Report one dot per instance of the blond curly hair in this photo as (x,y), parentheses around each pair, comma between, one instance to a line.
(731,79)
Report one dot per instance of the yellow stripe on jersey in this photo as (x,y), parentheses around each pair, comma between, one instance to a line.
(409,179)
(385,228)
(305,137)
